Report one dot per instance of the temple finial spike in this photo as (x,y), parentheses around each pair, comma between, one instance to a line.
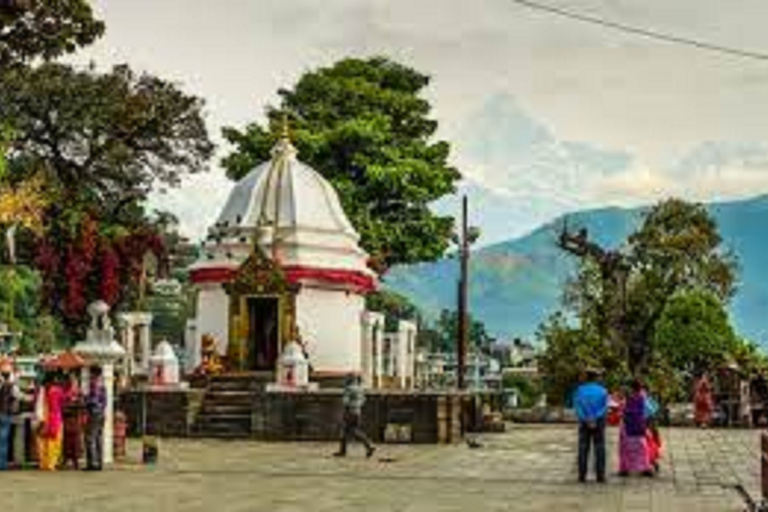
(284,132)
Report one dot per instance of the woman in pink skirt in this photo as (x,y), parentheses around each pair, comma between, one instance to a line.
(634,452)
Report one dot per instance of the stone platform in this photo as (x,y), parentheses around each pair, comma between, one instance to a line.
(241,407)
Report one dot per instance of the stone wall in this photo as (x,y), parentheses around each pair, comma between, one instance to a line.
(310,416)
(167,412)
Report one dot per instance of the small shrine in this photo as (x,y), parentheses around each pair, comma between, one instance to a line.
(101,349)
(164,365)
(283,257)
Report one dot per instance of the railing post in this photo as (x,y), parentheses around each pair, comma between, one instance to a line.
(764,466)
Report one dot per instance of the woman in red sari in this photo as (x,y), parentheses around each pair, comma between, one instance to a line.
(51,428)
(702,401)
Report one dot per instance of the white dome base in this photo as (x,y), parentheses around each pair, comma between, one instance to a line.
(329,322)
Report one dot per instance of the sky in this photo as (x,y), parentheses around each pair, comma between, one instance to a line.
(545,115)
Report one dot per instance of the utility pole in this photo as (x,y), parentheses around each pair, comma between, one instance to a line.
(463,284)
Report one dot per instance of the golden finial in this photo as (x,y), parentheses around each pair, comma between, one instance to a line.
(284,133)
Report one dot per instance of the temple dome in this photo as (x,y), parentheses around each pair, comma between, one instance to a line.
(295,215)
(289,190)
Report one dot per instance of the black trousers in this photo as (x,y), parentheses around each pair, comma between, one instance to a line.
(351,430)
(94,432)
(590,435)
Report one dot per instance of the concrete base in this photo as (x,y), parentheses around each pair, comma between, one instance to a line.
(295,416)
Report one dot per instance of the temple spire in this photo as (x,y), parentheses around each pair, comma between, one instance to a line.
(284,127)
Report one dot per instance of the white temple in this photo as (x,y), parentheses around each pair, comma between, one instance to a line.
(309,275)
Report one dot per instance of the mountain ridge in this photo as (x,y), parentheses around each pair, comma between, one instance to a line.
(516,284)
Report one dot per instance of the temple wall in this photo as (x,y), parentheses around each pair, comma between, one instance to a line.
(311,416)
(329,322)
(213,315)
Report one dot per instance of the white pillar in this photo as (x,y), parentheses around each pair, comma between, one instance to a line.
(370,345)
(85,379)
(407,340)
(146,343)
(142,321)
(126,339)
(401,349)
(192,346)
(108,374)
(378,350)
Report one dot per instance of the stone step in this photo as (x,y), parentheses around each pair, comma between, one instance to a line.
(223,425)
(248,381)
(245,387)
(220,435)
(229,397)
(214,409)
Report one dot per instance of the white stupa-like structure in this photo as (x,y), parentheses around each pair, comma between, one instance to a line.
(308,272)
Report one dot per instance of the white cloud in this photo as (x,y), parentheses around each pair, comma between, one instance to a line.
(648,99)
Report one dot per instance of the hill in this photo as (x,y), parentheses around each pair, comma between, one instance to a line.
(515,285)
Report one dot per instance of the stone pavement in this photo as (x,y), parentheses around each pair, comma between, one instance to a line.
(529,468)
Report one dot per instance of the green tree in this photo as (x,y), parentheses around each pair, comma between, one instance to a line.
(103,140)
(364,126)
(678,247)
(569,351)
(44,28)
(675,253)
(171,300)
(394,306)
(447,328)
(529,388)
(694,332)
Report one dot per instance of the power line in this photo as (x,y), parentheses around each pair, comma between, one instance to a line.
(653,34)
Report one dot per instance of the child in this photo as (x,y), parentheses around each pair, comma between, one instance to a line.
(653,437)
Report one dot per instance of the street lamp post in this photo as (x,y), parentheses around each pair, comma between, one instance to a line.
(467,236)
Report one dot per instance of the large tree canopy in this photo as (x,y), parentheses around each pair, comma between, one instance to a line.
(101,139)
(364,126)
(622,299)
(44,28)
(694,331)
(98,143)
(679,247)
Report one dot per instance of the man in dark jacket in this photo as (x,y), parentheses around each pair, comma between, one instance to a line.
(95,404)
(8,397)
(354,398)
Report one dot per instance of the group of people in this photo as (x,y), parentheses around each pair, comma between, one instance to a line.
(635,413)
(63,419)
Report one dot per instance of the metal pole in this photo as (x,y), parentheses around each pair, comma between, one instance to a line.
(764,467)
(462,320)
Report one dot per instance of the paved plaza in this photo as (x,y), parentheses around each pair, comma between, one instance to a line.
(529,468)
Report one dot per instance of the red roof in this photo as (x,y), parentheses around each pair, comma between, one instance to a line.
(66,361)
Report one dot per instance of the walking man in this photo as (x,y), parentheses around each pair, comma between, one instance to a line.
(591,404)
(354,398)
(95,404)
(8,397)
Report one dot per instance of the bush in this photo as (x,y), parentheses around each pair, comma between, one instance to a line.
(529,389)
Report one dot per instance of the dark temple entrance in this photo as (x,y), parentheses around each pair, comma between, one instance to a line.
(263,333)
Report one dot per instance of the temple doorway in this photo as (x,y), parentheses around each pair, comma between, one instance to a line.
(263,335)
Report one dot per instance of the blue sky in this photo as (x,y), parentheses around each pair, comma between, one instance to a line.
(545,115)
